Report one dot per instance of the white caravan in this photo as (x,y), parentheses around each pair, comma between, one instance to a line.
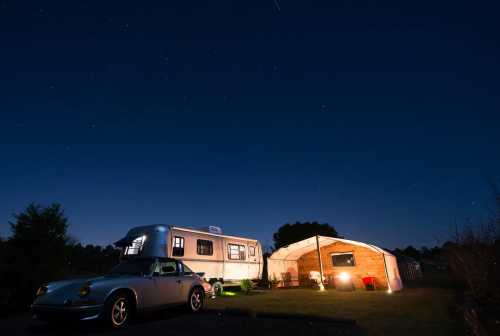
(223,259)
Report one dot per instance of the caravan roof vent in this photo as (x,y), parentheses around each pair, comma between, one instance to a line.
(212,229)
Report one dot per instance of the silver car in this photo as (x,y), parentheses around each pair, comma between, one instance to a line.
(133,286)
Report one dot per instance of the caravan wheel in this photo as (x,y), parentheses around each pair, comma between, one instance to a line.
(217,287)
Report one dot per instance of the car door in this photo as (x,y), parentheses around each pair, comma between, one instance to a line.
(187,280)
(168,282)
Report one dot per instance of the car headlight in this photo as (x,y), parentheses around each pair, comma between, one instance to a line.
(84,290)
(41,291)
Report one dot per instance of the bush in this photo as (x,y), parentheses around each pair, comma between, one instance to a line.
(475,255)
(246,286)
(474,259)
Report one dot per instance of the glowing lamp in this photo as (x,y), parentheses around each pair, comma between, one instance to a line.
(389,291)
(344,277)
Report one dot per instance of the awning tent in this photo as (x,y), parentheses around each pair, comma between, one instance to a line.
(284,260)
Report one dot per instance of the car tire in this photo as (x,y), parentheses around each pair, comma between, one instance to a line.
(196,299)
(217,288)
(117,311)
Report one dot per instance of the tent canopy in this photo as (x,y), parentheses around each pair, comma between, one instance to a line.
(296,250)
(285,260)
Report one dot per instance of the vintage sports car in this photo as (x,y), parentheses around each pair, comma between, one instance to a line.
(133,286)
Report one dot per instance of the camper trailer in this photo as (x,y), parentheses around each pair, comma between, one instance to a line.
(223,259)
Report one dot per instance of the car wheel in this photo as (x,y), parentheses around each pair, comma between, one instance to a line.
(217,288)
(196,300)
(118,311)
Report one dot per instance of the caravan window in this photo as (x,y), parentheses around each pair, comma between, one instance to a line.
(136,246)
(236,252)
(178,246)
(343,259)
(204,247)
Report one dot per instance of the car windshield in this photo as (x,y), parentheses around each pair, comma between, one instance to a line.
(133,267)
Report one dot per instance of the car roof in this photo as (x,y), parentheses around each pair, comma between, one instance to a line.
(150,258)
(167,259)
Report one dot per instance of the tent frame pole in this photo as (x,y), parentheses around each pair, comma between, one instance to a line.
(321,286)
(389,289)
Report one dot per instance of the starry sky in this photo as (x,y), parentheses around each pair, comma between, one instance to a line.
(378,117)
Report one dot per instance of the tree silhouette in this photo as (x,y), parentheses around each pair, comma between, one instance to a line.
(39,250)
(410,251)
(90,259)
(40,224)
(291,233)
(36,248)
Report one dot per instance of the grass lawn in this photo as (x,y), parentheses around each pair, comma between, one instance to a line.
(413,311)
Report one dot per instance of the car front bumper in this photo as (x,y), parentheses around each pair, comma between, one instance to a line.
(209,290)
(65,313)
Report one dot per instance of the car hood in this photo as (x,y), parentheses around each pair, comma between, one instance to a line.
(64,292)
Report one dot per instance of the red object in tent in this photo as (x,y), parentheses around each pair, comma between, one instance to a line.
(369,282)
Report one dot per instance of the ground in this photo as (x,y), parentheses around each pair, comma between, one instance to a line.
(179,322)
(413,311)
(422,311)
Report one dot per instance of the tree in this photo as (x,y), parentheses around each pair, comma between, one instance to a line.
(291,233)
(37,224)
(410,251)
(37,247)
(39,251)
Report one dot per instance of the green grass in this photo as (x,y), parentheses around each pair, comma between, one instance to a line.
(413,311)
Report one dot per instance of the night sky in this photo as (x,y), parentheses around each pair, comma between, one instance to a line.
(381,118)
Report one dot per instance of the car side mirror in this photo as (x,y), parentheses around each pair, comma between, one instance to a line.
(201,274)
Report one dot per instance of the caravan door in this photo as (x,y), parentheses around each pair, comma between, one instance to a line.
(253,265)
